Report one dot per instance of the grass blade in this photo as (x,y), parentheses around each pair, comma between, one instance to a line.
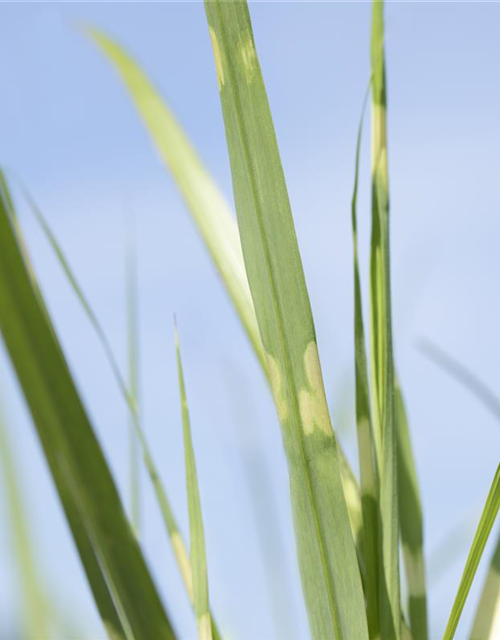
(487,619)
(481,537)
(133,368)
(366,446)
(327,558)
(175,535)
(37,614)
(411,523)
(212,216)
(204,200)
(196,531)
(121,584)
(382,365)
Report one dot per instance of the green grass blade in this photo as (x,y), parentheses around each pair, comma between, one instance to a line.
(133,368)
(481,537)
(211,214)
(366,446)
(36,610)
(327,558)
(122,586)
(175,535)
(208,207)
(487,619)
(196,531)
(411,522)
(382,365)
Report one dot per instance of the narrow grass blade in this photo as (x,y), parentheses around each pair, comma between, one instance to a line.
(36,609)
(327,557)
(175,536)
(211,214)
(122,586)
(204,200)
(411,522)
(366,445)
(133,368)
(487,619)
(481,537)
(196,531)
(382,365)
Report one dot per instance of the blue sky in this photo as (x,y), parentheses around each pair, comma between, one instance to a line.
(69,130)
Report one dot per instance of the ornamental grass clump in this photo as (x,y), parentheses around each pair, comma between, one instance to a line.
(350,533)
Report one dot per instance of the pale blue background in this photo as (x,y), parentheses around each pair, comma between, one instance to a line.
(68,128)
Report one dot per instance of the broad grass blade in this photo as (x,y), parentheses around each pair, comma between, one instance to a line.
(327,557)
(120,581)
(481,537)
(36,617)
(366,445)
(411,523)
(196,531)
(382,365)
(175,535)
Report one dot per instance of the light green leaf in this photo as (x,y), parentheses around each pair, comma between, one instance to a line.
(481,537)
(122,586)
(211,214)
(487,619)
(327,557)
(37,612)
(382,365)
(196,531)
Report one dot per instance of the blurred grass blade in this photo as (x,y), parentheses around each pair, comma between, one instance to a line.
(204,200)
(133,368)
(175,536)
(36,610)
(382,365)
(411,522)
(366,446)
(211,215)
(196,531)
(462,374)
(481,537)
(487,619)
(327,558)
(122,586)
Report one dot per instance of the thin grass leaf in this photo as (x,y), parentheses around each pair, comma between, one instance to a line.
(382,365)
(175,535)
(133,370)
(196,531)
(462,374)
(366,446)
(411,523)
(212,216)
(481,537)
(327,557)
(120,581)
(205,202)
(36,617)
